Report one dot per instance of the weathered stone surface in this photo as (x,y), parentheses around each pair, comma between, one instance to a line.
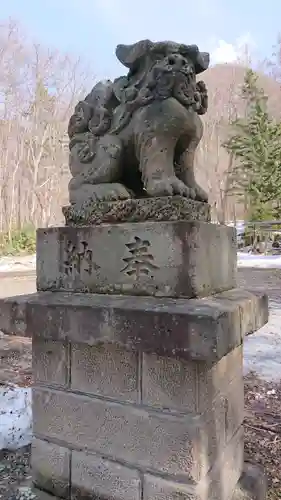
(138,134)
(168,208)
(215,419)
(13,315)
(51,467)
(179,385)
(252,484)
(164,383)
(203,454)
(50,362)
(147,440)
(188,329)
(219,483)
(216,379)
(169,383)
(224,417)
(226,472)
(105,370)
(167,259)
(94,477)
(158,488)
(234,407)
(221,398)
(189,386)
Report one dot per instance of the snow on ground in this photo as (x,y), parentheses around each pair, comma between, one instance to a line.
(262,349)
(15,417)
(28,262)
(19,263)
(260,261)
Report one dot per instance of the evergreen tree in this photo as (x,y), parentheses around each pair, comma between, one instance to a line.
(256,146)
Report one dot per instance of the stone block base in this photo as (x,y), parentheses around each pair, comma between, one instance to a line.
(162,259)
(115,424)
(137,398)
(117,418)
(252,485)
(198,329)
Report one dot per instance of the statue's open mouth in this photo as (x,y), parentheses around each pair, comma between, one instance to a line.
(187,71)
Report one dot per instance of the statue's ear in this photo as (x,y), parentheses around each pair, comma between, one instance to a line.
(201,60)
(130,55)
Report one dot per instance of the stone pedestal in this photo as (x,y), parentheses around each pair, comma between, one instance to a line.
(138,387)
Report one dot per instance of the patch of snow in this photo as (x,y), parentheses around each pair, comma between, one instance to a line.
(262,350)
(240,230)
(20,263)
(15,417)
(260,261)
(262,355)
(239,225)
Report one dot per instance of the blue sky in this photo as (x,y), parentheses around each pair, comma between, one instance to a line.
(92,28)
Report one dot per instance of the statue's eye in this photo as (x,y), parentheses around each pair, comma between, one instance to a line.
(177,59)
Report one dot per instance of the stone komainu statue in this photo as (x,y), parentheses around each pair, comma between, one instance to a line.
(137,136)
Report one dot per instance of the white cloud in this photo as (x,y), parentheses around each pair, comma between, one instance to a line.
(224,52)
(240,51)
(119,23)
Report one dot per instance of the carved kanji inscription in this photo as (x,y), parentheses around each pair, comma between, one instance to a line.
(78,258)
(141,261)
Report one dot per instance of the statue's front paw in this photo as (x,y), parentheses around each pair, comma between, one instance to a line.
(200,194)
(114,192)
(89,193)
(168,186)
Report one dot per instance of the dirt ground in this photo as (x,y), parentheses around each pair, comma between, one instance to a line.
(262,399)
(12,284)
(15,360)
(15,368)
(263,429)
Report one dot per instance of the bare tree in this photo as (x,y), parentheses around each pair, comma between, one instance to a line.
(38,91)
(214,165)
